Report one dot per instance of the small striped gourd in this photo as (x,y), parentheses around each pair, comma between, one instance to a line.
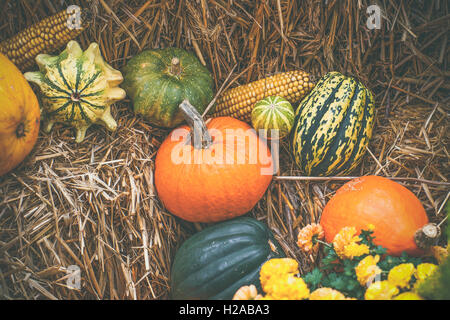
(238,102)
(77,88)
(273,113)
(333,125)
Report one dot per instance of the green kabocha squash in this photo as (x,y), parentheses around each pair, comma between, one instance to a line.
(273,113)
(158,80)
(77,88)
(215,262)
(332,126)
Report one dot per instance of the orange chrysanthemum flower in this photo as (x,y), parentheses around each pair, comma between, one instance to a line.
(247,293)
(307,235)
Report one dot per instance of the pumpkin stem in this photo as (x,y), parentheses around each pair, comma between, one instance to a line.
(20,130)
(202,138)
(75,97)
(175,67)
(427,235)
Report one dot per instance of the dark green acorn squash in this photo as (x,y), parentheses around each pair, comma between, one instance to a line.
(214,263)
(158,80)
(333,126)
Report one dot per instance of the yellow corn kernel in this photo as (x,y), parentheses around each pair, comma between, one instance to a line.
(238,102)
(48,35)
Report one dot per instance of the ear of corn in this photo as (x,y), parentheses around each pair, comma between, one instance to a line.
(239,102)
(48,35)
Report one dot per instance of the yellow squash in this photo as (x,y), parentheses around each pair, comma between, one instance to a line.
(19,116)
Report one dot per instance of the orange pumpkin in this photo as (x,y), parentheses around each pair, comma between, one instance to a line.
(19,116)
(395,212)
(220,180)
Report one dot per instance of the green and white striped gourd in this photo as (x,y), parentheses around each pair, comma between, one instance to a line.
(77,88)
(333,126)
(271,113)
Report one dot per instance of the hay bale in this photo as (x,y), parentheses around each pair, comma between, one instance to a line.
(93,205)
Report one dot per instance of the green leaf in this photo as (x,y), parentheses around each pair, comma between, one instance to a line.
(389,261)
(378,250)
(336,281)
(313,279)
(353,285)
(328,262)
(349,267)
(366,237)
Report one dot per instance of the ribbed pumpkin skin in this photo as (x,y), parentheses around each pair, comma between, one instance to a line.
(19,116)
(273,113)
(333,126)
(156,92)
(214,263)
(218,183)
(395,212)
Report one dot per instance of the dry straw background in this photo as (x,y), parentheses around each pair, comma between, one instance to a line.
(94,205)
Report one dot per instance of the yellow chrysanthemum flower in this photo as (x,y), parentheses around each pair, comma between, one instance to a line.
(326,294)
(408,296)
(424,270)
(346,245)
(400,276)
(381,290)
(307,234)
(275,268)
(287,287)
(367,269)
(370,227)
(355,250)
(247,293)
